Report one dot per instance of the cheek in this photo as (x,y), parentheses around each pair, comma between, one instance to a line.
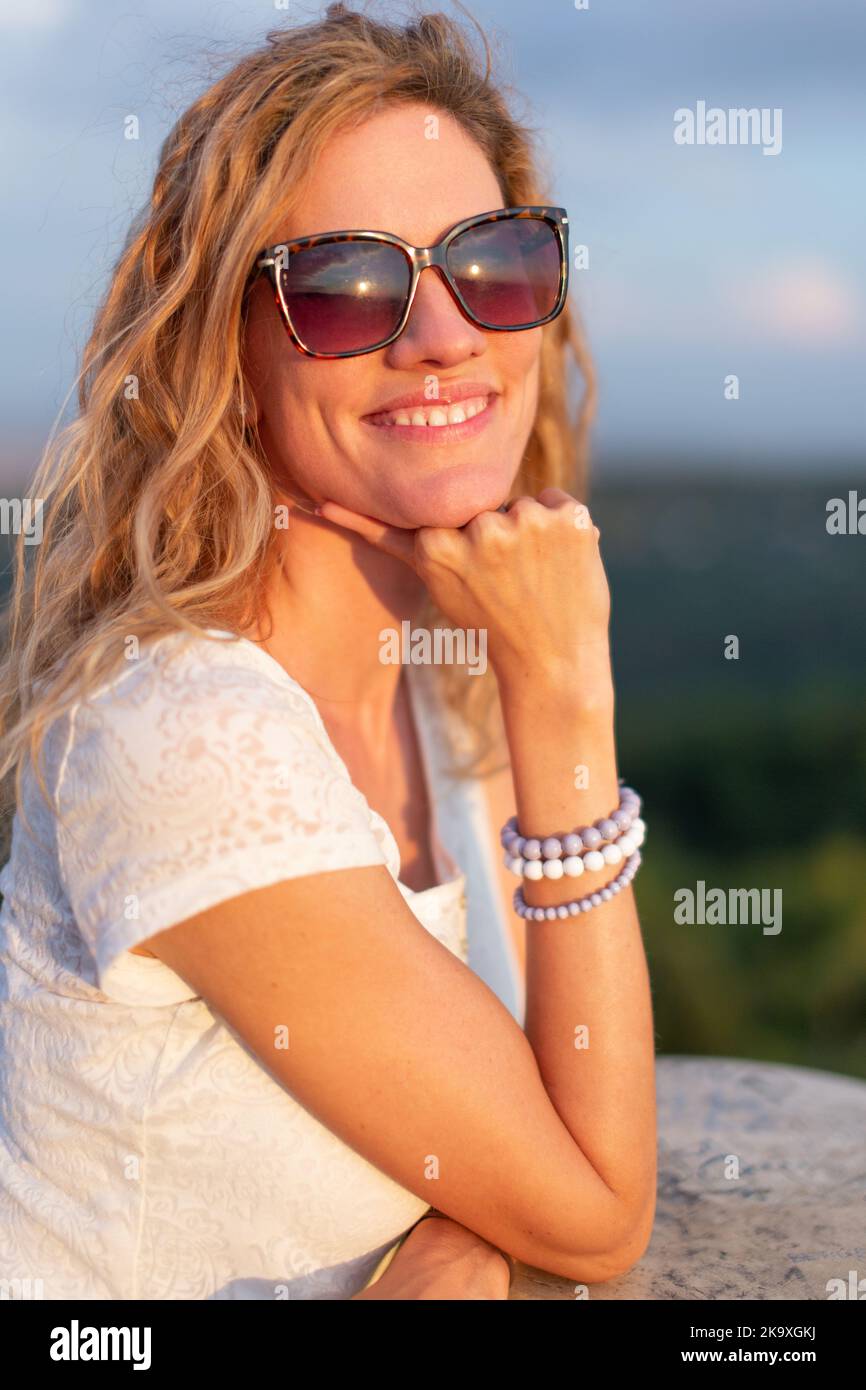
(295,395)
(316,398)
(289,388)
(522,368)
(311,417)
(262,353)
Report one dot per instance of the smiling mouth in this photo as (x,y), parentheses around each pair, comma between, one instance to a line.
(433,416)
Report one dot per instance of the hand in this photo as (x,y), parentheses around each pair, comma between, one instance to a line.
(440,1259)
(532,577)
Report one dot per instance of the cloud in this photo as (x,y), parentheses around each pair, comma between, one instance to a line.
(800,300)
(19,16)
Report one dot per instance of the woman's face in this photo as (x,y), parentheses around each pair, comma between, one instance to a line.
(314,414)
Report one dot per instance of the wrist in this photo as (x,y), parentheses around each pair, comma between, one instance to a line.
(562,746)
(579,685)
(442,1249)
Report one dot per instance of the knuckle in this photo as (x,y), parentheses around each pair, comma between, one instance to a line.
(433,543)
(528,511)
(554,495)
(486,524)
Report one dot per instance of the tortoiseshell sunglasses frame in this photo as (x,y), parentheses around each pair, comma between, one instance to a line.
(270,260)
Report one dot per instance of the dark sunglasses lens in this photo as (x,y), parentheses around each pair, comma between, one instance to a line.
(508,272)
(345,295)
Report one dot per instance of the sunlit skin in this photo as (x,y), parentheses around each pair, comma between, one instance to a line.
(336,590)
(311,412)
(566,1185)
(335,593)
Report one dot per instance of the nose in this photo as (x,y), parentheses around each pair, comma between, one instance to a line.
(437,330)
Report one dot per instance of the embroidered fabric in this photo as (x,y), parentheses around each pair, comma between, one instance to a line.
(144,1151)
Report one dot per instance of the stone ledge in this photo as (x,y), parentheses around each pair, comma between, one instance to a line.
(793,1219)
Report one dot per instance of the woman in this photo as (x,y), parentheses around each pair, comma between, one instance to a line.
(244,1050)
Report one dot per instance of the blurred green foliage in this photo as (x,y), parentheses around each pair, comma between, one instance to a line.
(743,798)
(753,771)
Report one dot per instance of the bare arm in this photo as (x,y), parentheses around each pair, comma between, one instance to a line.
(587,973)
(403,1052)
(544,1150)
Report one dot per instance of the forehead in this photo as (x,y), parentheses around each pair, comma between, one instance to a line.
(409,169)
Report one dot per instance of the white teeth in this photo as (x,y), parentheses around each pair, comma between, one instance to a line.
(433,417)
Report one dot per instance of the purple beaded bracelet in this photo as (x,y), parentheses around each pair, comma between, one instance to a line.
(578,905)
(607,830)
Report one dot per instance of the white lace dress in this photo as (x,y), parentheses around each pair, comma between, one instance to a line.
(145,1152)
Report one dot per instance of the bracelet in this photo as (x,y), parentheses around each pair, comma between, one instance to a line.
(577,905)
(610,840)
(572,865)
(590,837)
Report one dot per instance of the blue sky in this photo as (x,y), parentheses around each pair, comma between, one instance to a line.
(703,260)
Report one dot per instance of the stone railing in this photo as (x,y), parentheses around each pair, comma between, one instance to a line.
(761,1188)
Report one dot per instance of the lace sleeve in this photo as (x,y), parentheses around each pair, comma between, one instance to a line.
(187,783)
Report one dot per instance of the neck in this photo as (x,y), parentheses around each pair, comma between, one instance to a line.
(328,601)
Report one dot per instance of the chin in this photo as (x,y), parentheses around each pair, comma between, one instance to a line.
(450,497)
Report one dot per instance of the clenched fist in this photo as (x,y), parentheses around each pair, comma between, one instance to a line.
(531,576)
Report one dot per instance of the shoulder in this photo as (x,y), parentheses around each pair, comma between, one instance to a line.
(177,690)
(200,772)
(203,727)
(206,667)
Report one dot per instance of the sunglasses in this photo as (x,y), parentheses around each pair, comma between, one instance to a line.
(341,294)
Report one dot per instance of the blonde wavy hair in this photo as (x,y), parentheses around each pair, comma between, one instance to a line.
(157,507)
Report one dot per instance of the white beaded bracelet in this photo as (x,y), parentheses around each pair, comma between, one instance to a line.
(573,865)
